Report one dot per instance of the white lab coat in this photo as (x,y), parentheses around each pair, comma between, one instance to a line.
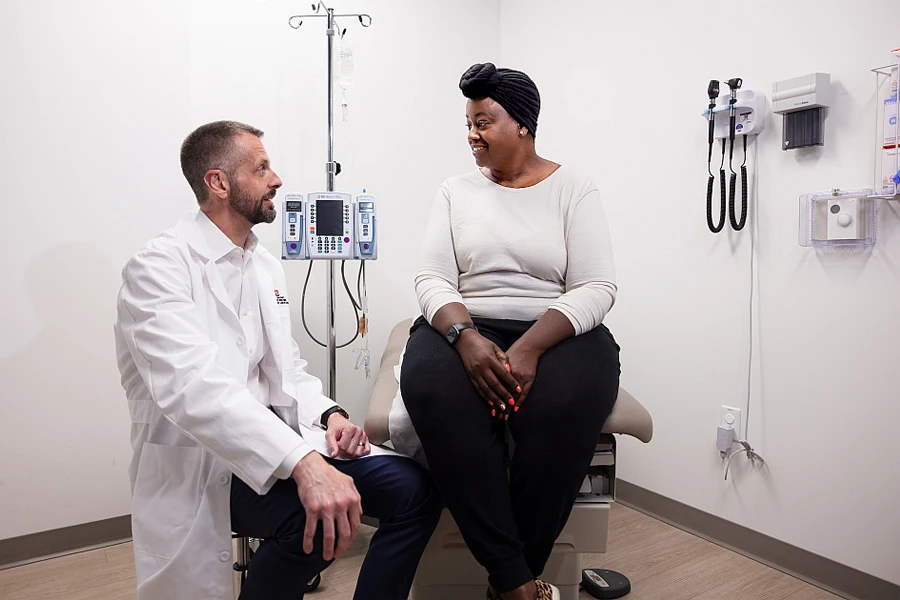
(184,369)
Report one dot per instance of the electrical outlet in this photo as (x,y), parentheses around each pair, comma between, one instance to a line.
(732,417)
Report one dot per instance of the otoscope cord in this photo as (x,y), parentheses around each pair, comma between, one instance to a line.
(737,225)
(716,228)
(710,182)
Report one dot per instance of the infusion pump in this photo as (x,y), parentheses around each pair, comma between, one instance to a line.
(329,226)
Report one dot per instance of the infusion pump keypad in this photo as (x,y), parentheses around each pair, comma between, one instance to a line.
(330,225)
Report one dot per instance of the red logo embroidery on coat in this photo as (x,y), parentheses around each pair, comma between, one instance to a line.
(280,299)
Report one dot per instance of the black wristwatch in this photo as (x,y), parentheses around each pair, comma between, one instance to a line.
(334,409)
(452,334)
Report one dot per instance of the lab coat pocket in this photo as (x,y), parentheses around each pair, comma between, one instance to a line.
(167,496)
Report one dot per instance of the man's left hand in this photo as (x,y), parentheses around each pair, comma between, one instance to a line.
(346,440)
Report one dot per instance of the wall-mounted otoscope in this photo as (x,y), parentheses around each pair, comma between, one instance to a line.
(734,85)
(746,117)
(713,92)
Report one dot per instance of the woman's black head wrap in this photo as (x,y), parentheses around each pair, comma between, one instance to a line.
(511,89)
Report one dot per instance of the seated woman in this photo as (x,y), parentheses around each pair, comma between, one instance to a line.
(517,276)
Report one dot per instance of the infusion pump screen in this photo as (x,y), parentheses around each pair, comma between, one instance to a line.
(329,217)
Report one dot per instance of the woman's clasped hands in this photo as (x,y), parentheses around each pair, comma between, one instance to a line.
(503,379)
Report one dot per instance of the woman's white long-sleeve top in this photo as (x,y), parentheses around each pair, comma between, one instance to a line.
(513,253)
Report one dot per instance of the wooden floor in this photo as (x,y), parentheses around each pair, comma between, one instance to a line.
(662,562)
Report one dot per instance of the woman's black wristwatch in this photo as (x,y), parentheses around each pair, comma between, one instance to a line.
(452,334)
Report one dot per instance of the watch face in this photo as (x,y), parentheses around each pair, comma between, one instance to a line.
(452,334)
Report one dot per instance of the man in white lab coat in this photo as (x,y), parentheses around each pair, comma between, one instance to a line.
(228,428)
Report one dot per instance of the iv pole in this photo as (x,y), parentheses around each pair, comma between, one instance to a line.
(330,172)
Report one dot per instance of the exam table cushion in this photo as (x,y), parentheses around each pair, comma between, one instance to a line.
(629,417)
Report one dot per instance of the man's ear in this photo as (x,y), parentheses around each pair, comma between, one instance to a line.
(217,182)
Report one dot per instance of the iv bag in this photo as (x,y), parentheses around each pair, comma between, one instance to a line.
(343,73)
(343,76)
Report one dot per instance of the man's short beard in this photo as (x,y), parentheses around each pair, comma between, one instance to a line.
(251,209)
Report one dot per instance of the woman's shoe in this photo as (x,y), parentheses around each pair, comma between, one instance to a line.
(546,591)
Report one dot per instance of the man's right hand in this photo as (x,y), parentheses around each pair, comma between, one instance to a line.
(329,496)
(485,363)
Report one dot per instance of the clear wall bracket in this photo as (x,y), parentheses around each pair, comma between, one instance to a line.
(838,218)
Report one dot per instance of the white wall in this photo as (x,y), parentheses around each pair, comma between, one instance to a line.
(623,85)
(96,100)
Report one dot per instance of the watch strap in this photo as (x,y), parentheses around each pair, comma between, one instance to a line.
(334,409)
(455,331)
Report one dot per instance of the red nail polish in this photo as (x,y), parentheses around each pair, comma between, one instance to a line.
(519,389)
(512,402)
(490,403)
(507,368)
(493,413)
(516,409)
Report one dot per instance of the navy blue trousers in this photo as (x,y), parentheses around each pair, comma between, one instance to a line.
(394,490)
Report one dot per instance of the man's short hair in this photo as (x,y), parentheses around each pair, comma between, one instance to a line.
(212,146)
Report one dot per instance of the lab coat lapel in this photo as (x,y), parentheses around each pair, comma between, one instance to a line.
(214,282)
(188,228)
